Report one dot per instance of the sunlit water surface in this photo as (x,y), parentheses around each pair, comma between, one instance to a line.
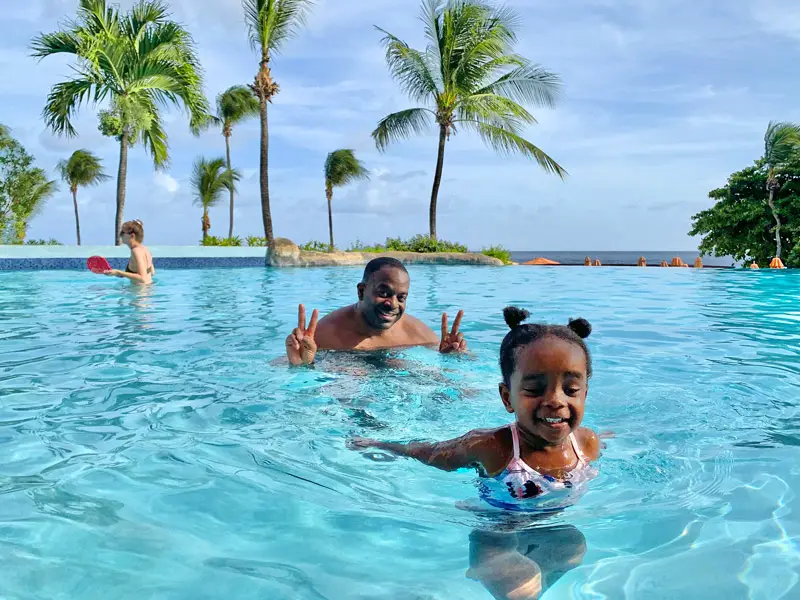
(154,448)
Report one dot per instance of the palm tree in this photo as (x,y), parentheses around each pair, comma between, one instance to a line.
(82,169)
(341,168)
(136,63)
(33,190)
(781,145)
(210,180)
(468,77)
(234,105)
(271,23)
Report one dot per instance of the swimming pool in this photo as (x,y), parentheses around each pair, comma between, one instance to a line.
(153,449)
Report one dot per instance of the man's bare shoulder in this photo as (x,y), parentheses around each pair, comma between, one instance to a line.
(331,326)
(419,331)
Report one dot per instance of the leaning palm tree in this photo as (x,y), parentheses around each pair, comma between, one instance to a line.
(135,63)
(341,168)
(271,23)
(210,180)
(32,192)
(781,145)
(82,169)
(234,105)
(468,77)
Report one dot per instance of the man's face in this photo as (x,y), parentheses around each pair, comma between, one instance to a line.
(382,299)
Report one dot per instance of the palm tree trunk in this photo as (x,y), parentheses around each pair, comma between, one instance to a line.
(122,174)
(437,180)
(77,220)
(204,224)
(329,195)
(228,154)
(264,87)
(775,216)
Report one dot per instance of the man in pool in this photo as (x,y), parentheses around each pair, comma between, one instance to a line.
(377,321)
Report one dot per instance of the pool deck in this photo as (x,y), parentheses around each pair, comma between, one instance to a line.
(27,258)
(284,255)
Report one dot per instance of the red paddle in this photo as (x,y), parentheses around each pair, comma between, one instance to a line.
(98,264)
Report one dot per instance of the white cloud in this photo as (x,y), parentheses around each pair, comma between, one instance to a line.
(663,99)
(166,182)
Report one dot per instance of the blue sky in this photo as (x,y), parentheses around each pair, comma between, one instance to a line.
(662,100)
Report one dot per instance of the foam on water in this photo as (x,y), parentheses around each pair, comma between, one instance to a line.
(153,447)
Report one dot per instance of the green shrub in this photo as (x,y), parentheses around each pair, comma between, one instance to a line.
(358,246)
(50,242)
(213,240)
(255,241)
(418,243)
(315,246)
(498,252)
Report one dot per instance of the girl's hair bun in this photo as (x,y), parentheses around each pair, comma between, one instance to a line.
(515,316)
(581,327)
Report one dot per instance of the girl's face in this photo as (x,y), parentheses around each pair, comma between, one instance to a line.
(548,389)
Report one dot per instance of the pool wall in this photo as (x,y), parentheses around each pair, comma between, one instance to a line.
(28,258)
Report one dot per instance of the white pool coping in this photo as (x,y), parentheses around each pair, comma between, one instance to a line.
(55,252)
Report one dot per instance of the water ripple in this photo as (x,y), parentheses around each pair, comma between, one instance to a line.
(150,435)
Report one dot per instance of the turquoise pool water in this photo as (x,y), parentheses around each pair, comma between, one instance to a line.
(152,448)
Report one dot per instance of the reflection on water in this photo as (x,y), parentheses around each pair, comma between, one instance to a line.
(151,435)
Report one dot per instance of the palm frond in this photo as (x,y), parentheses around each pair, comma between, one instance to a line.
(507,142)
(59,42)
(495,110)
(781,143)
(32,190)
(63,102)
(143,15)
(410,68)
(528,83)
(98,17)
(342,167)
(210,179)
(271,23)
(236,104)
(82,169)
(484,35)
(401,125)
(205,124)
(153,135)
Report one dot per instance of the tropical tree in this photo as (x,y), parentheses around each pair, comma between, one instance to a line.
(23,188)
(781,146)
(468,77)
(341,168)
(234,105)
(33,191)
(737,224)
(271,24)
(82,169)
(133,63)
(210,179)
(15,161)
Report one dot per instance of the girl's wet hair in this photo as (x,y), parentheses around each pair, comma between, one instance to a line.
(522,334)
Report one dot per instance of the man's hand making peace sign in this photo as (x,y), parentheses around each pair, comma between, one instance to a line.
(452,341)
(300,345)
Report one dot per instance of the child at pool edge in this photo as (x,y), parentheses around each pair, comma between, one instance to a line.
(140,265)
(545,452)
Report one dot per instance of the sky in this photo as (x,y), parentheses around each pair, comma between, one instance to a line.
(662,99)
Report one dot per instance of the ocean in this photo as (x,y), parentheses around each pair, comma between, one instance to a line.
(654,257)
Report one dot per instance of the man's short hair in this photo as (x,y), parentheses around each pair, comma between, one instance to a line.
(376,264)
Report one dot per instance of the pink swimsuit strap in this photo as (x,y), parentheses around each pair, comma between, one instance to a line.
(516,460)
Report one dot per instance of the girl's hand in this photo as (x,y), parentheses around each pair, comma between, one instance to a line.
(113,273)
(357,443)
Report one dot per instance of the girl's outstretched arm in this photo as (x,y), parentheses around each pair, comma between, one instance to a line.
(465,451)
